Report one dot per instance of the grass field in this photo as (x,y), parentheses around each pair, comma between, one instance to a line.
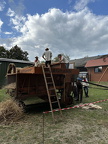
(78,126)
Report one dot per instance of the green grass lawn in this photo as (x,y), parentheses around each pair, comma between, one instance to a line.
(97,93)
(3,95)
(78,126)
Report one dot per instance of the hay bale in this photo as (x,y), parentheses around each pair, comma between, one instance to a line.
(10,86)
(10,111)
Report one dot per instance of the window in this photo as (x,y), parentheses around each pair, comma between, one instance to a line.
(98,69)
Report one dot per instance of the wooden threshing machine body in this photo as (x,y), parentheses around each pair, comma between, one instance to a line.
(29,82)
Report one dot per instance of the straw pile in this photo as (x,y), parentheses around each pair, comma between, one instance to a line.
(10,86)
(92,106)
(10,111)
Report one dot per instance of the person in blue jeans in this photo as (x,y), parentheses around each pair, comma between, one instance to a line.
(79,88)
(85,86)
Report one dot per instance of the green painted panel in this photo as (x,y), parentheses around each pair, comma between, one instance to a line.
(3,70)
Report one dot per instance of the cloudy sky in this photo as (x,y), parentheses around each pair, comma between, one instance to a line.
(77,28)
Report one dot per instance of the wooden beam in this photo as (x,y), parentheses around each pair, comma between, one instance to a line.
(103,74)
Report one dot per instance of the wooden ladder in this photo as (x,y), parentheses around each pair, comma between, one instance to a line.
(51,89)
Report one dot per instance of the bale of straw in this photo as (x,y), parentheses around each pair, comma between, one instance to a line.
(10,86)
(10,111)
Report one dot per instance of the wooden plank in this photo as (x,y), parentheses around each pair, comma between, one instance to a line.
(38,70)
(27,70)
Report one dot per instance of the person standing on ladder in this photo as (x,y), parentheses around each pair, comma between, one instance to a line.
(47,55)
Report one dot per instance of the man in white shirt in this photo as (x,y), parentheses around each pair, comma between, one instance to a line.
(63,59)
(47,55)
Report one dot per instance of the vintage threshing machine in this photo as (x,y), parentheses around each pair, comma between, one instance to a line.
(33,81)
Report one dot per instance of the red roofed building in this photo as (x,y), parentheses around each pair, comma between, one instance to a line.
(98,69)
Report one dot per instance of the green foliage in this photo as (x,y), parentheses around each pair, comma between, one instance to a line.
(3,52)
(17,53)
(3,95)
(56,58)
(14,53)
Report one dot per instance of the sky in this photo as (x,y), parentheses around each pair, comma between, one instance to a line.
(76,28)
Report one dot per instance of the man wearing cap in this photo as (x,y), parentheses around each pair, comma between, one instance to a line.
(47,55)
(36,62)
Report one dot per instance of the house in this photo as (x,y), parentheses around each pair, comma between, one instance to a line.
(80,63)
(98,69)
(4,62)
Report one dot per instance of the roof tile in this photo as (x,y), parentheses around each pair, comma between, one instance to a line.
(97,62)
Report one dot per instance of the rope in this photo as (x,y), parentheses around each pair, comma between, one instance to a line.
(97,84)
(78,106)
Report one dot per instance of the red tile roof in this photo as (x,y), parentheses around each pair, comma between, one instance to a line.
(97,62)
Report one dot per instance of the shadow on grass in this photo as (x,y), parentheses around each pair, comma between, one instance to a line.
(40,107)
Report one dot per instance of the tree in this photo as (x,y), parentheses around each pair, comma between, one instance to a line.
(16,53)
(56,58)
(3,52)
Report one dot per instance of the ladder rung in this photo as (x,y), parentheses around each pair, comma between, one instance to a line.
(47,72)
(49,83)
(46,68)
(48,77)
(54,102)
(51,89)
(52,95)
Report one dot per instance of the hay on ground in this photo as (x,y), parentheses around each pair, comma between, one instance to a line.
(92,106)
(10,111)
(10,86)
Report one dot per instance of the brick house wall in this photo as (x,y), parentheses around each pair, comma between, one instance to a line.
(98,76)
(98,69)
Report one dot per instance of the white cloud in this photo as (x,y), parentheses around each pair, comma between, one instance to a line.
(75,34)
(2,5)
(10,12)
(16,20)
(81,4)
(8,33)
(1,23)
(7,43)
(17,6)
